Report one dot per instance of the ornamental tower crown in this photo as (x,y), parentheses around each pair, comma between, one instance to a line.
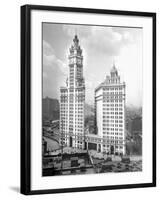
(114,71)
(114,78)
(75,65)
(75,49)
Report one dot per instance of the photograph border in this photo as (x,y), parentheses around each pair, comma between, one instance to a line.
(25,187)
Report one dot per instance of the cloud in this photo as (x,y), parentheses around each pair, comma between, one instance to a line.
(47,49)
(105,40)
(71,30)
(54,72)
(50,59)
(101,46)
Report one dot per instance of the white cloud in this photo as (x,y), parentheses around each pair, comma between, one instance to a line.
(101,46)
(47,49)
(105,40)
(50,59)
(82,31)
(130,66)
(54,72)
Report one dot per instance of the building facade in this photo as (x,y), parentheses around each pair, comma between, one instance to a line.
(50,109)
(72,100)
(110,113)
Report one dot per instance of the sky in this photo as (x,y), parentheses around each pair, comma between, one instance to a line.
(102,46)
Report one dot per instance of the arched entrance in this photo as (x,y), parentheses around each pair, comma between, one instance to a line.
(70,141)
(85,145)
(112,149)
(99,148)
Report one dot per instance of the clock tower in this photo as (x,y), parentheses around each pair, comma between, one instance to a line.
(72,100)
(75,64)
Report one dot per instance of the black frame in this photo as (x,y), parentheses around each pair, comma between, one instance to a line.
(26,97)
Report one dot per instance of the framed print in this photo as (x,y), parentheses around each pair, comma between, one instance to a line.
(88,99)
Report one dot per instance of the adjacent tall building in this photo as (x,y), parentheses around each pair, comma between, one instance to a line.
(110,113)
(72,99)
(109,109)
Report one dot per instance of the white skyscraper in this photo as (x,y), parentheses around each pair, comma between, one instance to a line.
(110,113)
(72,100)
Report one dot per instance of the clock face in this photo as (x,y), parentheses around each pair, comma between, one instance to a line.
(71,60)
(79,61)
(74,60)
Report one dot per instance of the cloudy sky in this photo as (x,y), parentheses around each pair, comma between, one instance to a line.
(101,47)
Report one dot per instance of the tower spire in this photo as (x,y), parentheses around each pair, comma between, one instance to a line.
(76,40)
(114,69)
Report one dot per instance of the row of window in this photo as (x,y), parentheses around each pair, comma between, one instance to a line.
(112,129)
(78,123)
(109,92)
(112,88)
(112,105)
(111,116)
(112,121)
(105,100)
(112,133)
(77,106)
(71,113)
(115,117)
(112,109)
(76,102)
(108,97)
(113,80)
(113,124)
(113,113)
